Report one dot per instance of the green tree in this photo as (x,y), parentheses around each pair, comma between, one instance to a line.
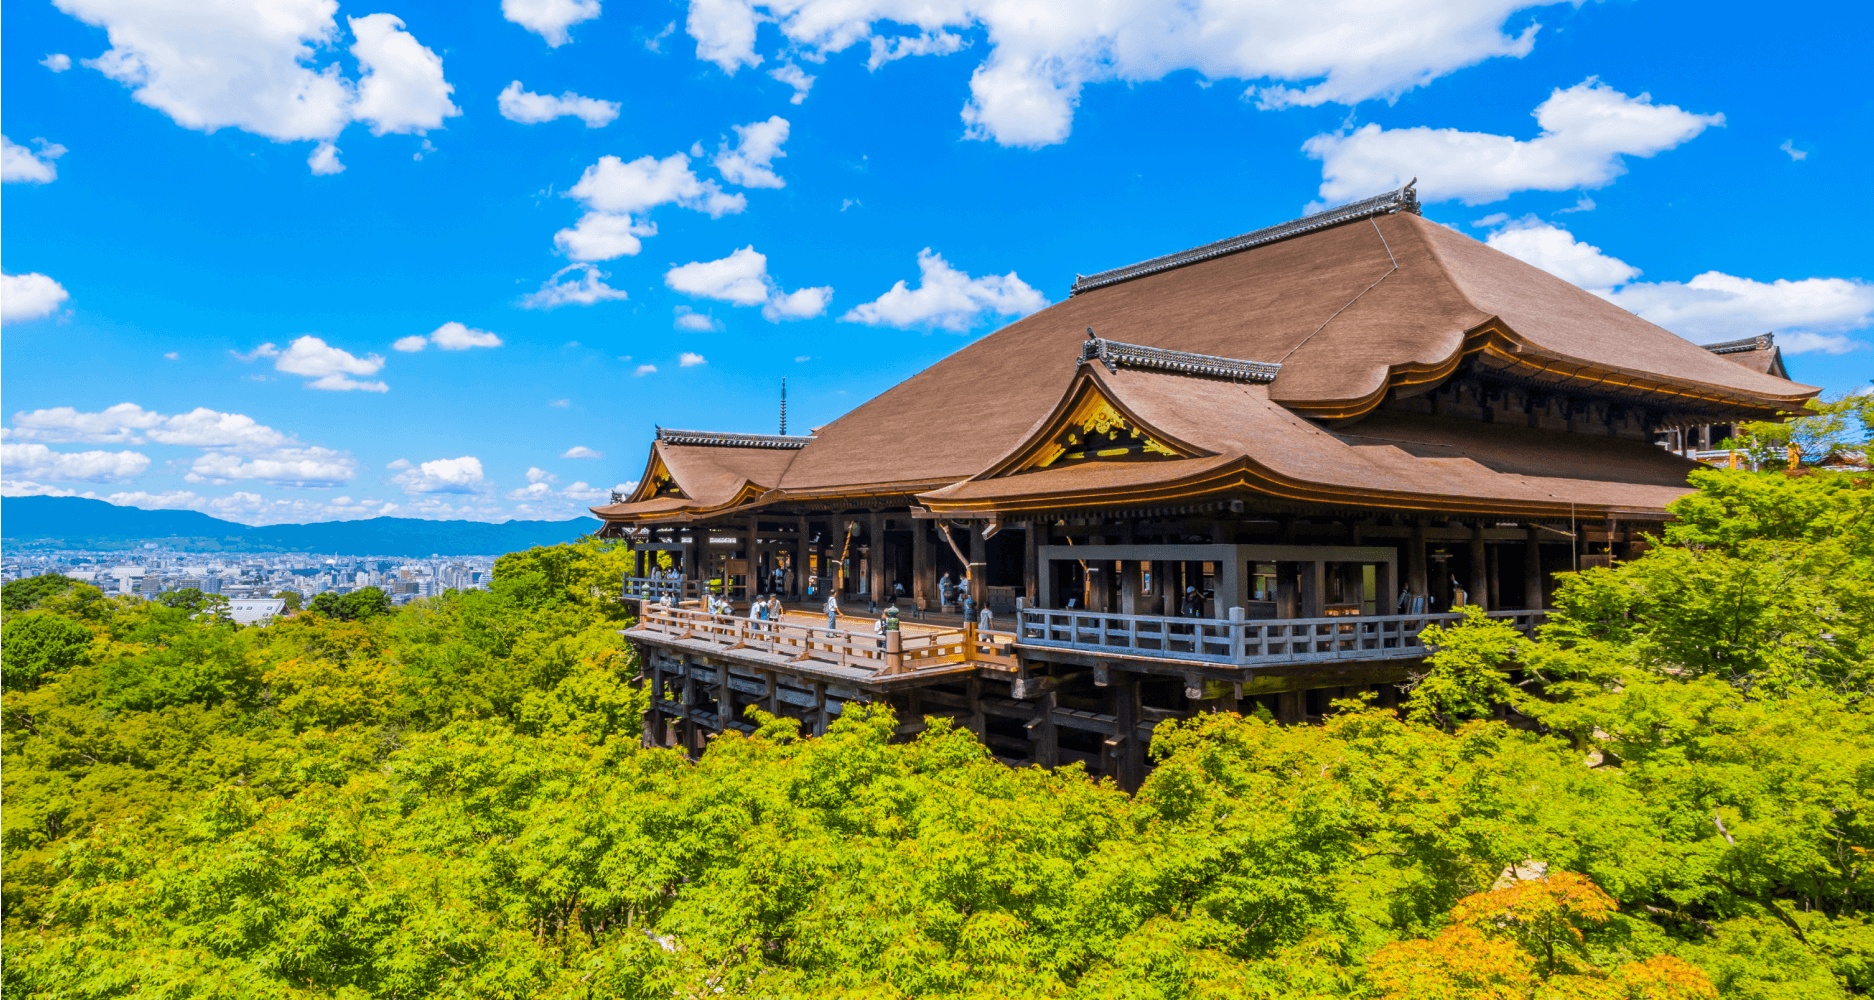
(293,598)
(35,644)
(32,591)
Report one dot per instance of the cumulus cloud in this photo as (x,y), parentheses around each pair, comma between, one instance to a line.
(453,336)
(1041,56)
(947,298)
(20,164)
(444,475)
(535,474)
(518,105)
(688,319)
(644,370)
(618,195)
(249,67)
(1789,146)
(742,279)
(1809,314)
(1586,131)
(581,451)
(57,62)
(283,467)
(550,18)
(29,296)
(796,78)
(690,359)
(411,344)
(36,461)
(329,367)
(757,145)
(586,289)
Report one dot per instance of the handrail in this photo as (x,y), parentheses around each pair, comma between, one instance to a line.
(1239,642)
(890,654)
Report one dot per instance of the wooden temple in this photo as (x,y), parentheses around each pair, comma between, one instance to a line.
(1246,473)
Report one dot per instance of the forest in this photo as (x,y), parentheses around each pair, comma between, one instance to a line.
(1663,795)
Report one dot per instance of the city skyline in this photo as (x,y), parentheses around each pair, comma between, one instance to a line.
(456,262)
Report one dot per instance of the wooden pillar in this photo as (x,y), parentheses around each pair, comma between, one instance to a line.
(1314,589)
(686,731)
(1291,708)
(1479,585)
(1130,580)
(1043,737)
(979,566)
(973,694)
(725,699)
(751,556)
(654,729)
(923,581)
(1128,751)
(1417,579)
(1229,584)
(875,561)
(1492,557)
(820,714)
(800,559)
(1532,570)
(1386,582)
(1031,560)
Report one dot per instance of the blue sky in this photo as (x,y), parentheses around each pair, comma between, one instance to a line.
(303,260)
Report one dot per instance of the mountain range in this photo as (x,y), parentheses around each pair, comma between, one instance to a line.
(79,523)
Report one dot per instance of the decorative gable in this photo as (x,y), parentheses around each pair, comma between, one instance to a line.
(1095,429)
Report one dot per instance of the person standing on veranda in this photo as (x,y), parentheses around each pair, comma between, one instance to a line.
(832,609)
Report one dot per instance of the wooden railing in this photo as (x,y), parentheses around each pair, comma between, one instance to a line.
(886,655)
(1240,642)
(652,588)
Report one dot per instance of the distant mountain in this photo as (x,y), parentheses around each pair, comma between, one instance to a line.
(75,522)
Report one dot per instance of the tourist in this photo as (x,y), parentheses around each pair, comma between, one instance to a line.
(832,610)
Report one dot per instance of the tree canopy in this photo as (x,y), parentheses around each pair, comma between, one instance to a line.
(450,798)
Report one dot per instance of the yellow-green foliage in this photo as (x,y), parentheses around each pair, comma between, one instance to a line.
(450,800)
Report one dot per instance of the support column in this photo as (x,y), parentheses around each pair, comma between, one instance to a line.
(979,566)
(1229,585)
(1532,570)
(1130,580)
(1291,707)
(1492,557)
(686,730)
(751,558)
(1479,585)
(1043,737)
(1314,589)
(875,560)
(800,559)
(1386,582)
(1417,580)
(1031,562)
(1128,749)
(920,565)
(654,730)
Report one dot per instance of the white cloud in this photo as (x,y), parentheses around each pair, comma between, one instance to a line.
(618,194)
(57,62)
(402,87)
(247,66)
(263,351)
(324,160)
(18,163)
(948,299)
(528,108)
(742,279)
(689,359)
(313,467)
(805,303)
(411,344)
(29,296)
(803,357)
(1789,146)
(1556,251)
(36,461)
(581,451)
(691,320)
(120,424)
(535,474)
(560,403)
(199,428)
(328,366)
(453,336)
(757,145)
(240,506)
(550,18)
(444,475)
(1586,130)
(401,463)
(587,289)
(644,370)
(1810,314)
(173,355)
(796,78)
(1041,55)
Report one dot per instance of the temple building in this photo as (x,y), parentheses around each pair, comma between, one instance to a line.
(1249,470)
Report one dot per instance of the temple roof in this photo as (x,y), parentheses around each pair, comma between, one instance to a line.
(1759,354)
(1333,316)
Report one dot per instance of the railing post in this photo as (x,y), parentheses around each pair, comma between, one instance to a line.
(969,642)
(1236,635)
(894,651)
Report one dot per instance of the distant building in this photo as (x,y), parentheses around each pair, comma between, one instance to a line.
(255,610)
